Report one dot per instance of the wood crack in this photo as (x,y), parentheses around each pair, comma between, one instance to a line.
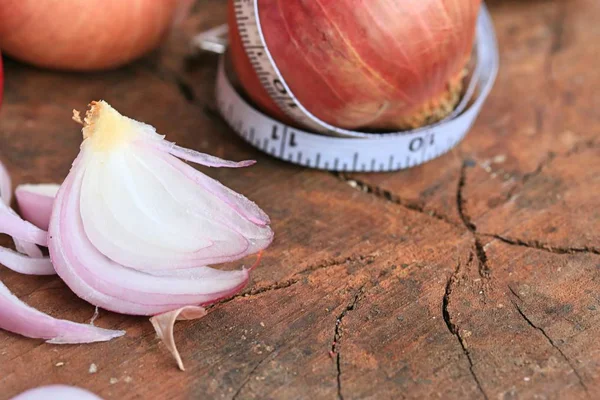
(558,30)
(557,26)
(251,374)
(529,175)
(460,201)
(482,265)
(538,245)
(446,299)
(455,330)
(365,259)
(514,292)
(550,157)
(550,341)
(185,89)
(483,268)
(335,352)
(391,197)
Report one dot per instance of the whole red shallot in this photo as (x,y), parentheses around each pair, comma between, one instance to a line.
(79,35)
(356,64)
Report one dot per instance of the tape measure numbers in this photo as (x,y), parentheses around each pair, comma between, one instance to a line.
(340,149)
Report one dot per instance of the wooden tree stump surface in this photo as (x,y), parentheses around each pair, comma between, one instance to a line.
(476,275)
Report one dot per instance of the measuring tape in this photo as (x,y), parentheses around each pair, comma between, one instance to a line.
(334,148)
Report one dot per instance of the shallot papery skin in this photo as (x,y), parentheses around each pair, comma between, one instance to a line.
(355,64)
(133,227)
(57,392)
(163,325)
(35,202)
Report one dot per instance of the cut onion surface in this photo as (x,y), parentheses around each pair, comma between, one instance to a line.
(133,228)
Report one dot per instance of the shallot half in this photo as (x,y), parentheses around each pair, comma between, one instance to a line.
(133,227)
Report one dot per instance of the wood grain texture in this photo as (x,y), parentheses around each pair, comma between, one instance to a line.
(476,275)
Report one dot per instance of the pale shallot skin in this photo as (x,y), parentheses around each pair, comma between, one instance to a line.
(133,228)
(364,64)
(164,323)
(57,392)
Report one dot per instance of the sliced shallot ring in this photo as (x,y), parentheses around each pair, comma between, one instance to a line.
(35,202)
(18,317)
(25,265)
(6,196)
(57,392)
(11,224)
(28,248)
(164,323)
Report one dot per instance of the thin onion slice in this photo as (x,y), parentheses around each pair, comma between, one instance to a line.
(35,202)
(164,323)
(25,265)
(18,317)
(133,229)
(12,225)
(29,249)
(57,392)
(5,197)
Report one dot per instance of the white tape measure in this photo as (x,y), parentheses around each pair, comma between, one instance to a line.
(339,149)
